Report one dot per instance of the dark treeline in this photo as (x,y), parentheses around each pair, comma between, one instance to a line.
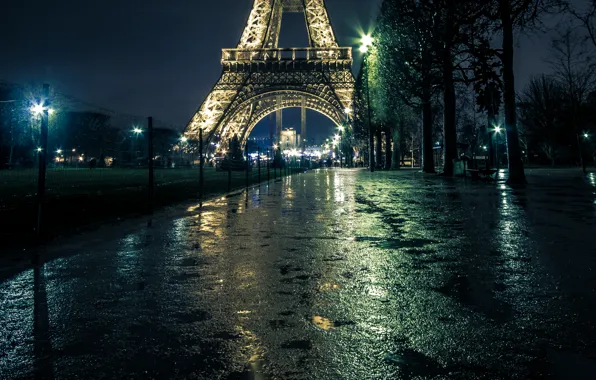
(440,76)
(78,134)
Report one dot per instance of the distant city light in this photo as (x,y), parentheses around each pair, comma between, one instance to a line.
(183,139)
(39,149)
(74,150)
(137,130)
(586,135)
(59,151)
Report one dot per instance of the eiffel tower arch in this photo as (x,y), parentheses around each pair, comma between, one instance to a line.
(260,78)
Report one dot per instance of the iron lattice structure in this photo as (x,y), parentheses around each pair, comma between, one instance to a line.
(259,78)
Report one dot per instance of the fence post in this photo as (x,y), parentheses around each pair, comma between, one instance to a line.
(259,162)
(201,178)
(229,175)
(43,155)
(151,169)
(247,164)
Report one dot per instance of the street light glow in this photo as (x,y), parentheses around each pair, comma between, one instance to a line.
(137,130)
(498,129)
(367,40)
(341,128)
(348,110)
(39,150)
(59,151)
(586,135)
(183,139)
(37,109)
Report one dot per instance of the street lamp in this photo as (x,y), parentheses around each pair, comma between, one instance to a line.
(498,130)
(38,108)
(586,136)
(137,131)
(367,42)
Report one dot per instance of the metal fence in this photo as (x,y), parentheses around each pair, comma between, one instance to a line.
(97,179)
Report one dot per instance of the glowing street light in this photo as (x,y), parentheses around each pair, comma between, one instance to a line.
(348,110)
(37,109)
(367,41)
(137,130)
(183,139)
(275,146)
(341,128)
(498,129)
(586,136)
(59,151)
(39,150)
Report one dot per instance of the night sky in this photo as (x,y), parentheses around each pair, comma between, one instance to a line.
(159,57)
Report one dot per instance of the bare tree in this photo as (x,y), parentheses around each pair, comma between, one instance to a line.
(585,16)
(574,68)
(512,16)
(541,113)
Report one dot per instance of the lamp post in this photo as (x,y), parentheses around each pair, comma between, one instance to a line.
(497,130)
(341,130)
(367,42)
(136,131)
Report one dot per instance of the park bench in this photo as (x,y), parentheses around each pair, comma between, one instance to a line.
(481,174)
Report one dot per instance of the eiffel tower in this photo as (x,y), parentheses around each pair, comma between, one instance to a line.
(259,78)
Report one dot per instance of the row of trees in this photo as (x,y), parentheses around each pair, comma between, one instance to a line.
(438,56)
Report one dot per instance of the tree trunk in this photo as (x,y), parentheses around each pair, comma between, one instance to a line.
(491,124)
(388,149)
(516,165)
(379,148)
(428,164)
(449,121)
(397,156)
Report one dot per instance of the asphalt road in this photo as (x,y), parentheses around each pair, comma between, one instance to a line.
(335,274)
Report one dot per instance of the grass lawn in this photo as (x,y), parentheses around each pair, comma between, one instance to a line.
(78,199)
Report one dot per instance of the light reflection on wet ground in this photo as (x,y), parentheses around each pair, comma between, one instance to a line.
(328,275)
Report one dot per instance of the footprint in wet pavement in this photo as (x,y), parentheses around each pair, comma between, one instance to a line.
(478,298)
(297,344)
(414,364)
(278,324)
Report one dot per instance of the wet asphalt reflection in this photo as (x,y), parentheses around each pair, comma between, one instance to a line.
(334,274)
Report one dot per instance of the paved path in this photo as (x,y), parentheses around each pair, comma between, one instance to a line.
(328,275)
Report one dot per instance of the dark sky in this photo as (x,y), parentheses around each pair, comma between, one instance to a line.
(156,57)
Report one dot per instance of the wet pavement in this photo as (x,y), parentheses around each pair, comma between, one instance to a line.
(334,274)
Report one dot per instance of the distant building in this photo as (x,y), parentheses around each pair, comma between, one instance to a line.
(290,139)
